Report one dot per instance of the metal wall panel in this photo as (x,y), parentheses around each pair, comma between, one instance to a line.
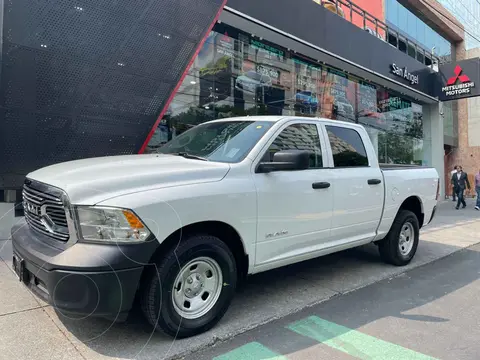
(90,77)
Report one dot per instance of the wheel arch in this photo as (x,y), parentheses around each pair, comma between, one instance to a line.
(225,232)
(415,205)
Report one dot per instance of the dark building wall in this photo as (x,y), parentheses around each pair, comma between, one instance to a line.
(90,78)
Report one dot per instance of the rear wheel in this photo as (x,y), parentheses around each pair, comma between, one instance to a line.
(192,287)
(400,245)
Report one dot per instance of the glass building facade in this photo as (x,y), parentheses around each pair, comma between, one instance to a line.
(468,13)
(237,74)
(401,19)
(408,24)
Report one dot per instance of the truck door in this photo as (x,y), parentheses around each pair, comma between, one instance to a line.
(294,210)
(358,189)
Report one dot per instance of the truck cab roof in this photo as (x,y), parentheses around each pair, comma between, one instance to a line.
(272,118)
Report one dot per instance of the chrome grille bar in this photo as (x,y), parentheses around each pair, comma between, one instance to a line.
(45,212)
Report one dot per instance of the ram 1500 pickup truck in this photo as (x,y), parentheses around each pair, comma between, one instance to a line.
(174,232)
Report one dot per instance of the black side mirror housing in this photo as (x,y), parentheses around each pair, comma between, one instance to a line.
(286,160)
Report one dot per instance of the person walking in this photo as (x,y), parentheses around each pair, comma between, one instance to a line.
(454,171)
(477,189)
(460,182)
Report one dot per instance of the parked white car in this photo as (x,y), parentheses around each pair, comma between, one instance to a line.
(251,81)
(225,199)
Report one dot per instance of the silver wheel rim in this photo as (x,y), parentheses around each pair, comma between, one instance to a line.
(197,288)
(407,238)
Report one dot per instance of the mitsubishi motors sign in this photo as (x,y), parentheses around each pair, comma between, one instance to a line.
(457,80)
(458,84)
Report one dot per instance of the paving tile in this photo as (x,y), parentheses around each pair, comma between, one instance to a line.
(6,251)
(319,351)
(31,335)
(99,339)
(461,235)
(14,296)
(352,342)
(266,297)
(358,267)
(251,351)
(349,270)
(7,219)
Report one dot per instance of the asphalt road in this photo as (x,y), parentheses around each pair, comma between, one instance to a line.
(430,312)
(30,329)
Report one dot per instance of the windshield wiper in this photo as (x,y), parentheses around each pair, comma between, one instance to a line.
(189,156)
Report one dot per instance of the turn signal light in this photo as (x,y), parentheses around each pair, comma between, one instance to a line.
(134,221)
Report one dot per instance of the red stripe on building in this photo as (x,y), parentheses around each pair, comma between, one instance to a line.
(172,95)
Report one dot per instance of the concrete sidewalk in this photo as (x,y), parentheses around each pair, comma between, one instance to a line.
(7,219)
(267,296)
(426,313)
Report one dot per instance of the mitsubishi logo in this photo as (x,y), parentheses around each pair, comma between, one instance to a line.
(463,78)
(225,37)
(452,89)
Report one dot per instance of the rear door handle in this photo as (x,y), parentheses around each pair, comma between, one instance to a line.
(374,181)
(321,185)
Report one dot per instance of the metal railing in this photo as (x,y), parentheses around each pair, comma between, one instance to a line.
(379,28)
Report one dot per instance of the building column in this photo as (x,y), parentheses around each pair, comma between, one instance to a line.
(433,153)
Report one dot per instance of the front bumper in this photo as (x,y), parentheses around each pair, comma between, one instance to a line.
(84,279)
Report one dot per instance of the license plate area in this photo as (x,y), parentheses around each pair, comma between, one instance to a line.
(19,267)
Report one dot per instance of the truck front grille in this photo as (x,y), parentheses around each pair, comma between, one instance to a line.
(44,211)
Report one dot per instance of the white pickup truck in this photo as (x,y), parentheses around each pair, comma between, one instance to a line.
(175,232)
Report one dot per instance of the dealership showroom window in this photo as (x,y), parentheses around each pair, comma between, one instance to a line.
(236,74)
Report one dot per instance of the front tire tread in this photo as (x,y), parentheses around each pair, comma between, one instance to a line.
(388,247)
(153,307)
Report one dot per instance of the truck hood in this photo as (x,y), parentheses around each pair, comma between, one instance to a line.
(90,181)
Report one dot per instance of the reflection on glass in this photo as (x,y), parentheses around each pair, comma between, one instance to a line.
(222,141)
(347,147)
(402,17)
(449,128)
(409,25)
(298,137)
(391,11)
(236,74)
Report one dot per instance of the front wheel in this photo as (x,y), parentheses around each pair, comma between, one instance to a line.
(192,287)
(400,245)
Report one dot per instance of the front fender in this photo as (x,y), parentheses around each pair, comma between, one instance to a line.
(167,210)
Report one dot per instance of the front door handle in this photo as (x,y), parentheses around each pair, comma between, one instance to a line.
(321,185)
(374,181)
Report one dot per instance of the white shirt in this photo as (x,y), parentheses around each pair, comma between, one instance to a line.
(458,175)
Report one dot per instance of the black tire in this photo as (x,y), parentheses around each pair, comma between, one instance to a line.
(390,249)
(156,293)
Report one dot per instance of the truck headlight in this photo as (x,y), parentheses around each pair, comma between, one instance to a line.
(110,224)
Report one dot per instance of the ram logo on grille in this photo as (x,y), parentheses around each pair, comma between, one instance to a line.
(31,208)
(44,210)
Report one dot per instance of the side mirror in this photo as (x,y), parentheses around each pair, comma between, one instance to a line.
(286,160)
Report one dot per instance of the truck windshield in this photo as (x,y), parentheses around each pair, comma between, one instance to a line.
(222,141)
